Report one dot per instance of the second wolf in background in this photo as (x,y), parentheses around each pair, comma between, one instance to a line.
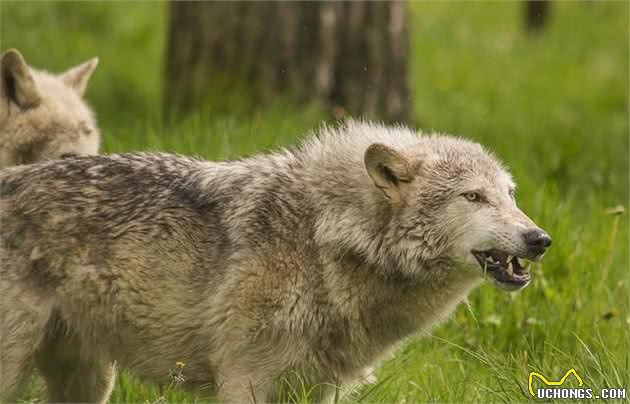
(43,116)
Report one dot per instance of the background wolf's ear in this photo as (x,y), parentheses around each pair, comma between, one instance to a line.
(77,77)
(389,169)
(18,85)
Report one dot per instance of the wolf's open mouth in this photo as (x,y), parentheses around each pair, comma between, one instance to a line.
(509,272)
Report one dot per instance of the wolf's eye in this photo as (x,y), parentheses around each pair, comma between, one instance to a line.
(472,196)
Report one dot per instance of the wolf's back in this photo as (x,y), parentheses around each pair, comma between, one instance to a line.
(116,181)
(66,217)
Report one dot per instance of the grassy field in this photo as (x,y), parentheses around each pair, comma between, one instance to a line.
(554,107)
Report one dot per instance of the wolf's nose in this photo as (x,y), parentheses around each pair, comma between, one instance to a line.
(537,239)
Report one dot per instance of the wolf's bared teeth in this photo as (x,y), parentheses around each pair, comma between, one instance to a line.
(510,268)
(509,259)
(489,259)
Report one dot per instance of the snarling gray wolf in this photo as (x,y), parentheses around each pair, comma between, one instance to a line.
(43,116)
(308,265)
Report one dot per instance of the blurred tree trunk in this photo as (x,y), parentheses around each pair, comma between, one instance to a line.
(536,14)
(352,56)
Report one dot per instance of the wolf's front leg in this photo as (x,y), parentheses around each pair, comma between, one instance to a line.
(244,388)
(368,375)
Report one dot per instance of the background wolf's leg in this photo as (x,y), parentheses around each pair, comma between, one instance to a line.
(21,331)
(73,375)
(79,382)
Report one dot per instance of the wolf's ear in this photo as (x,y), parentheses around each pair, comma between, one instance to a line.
(77,77)
(389,169)
(18,84)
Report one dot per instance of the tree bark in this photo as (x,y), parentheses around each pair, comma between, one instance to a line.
(350,56)
(536,14)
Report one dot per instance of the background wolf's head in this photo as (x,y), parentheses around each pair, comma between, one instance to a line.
(44,116)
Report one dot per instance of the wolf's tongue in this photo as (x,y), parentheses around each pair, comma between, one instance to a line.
(517,268)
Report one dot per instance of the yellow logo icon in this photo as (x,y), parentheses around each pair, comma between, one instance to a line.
(552,383)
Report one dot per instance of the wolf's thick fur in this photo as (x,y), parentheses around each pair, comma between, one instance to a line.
(43,116)
(306,265)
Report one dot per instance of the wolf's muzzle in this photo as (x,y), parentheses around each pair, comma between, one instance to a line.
(537,241)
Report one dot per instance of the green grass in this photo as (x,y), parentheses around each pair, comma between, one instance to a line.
(553,107)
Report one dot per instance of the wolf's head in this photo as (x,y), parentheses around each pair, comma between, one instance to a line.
(43,116)
(451,200)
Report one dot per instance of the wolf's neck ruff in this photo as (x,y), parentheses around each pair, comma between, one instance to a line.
(394,306)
